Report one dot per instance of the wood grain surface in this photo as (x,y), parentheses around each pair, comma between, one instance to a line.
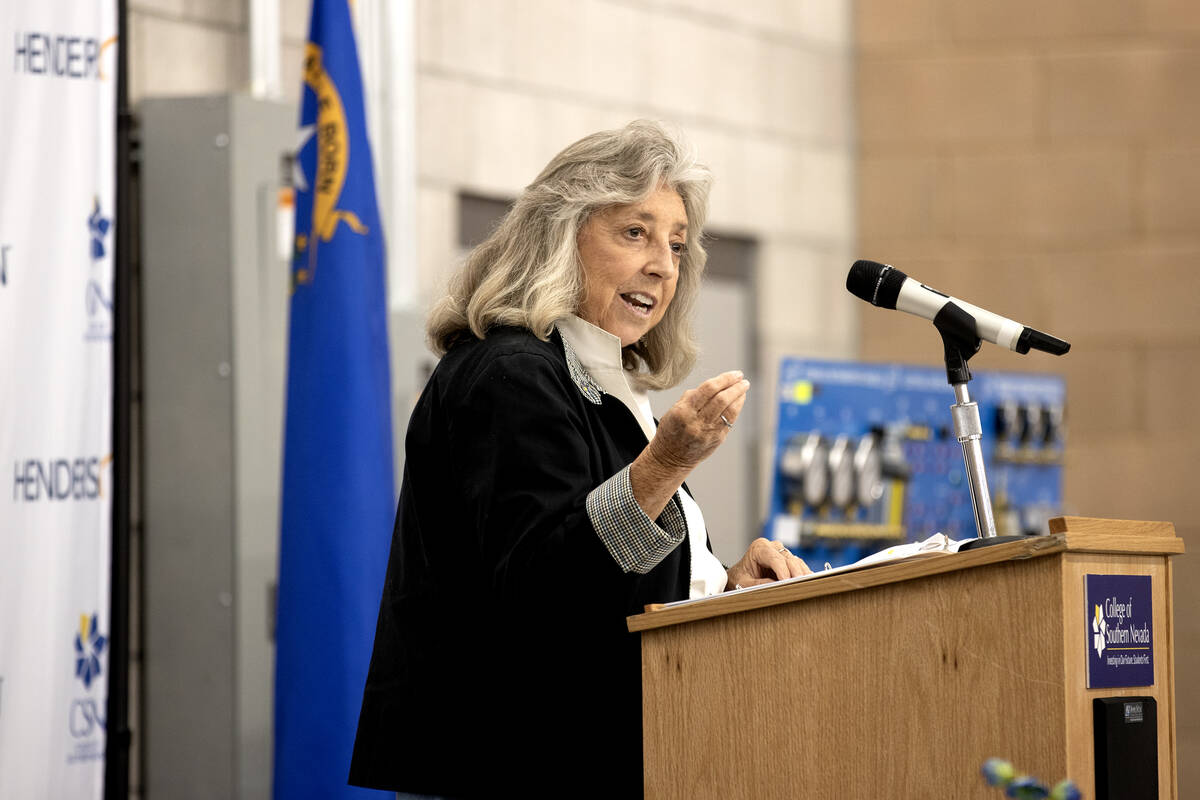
(1092,535)
(897,681)
(735,602)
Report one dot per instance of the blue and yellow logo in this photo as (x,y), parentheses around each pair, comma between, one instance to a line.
(98,226)
(89,646)
(98,294)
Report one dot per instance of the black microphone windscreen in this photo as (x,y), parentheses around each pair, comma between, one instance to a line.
(1037,340)
(878,284)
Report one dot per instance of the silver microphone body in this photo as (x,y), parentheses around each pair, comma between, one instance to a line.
(917,298)
(887,287)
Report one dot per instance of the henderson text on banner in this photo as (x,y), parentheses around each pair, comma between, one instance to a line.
(58,82)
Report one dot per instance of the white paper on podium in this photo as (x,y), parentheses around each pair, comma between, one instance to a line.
(935,545)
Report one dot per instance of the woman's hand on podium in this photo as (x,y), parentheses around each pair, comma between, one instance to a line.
(765,561)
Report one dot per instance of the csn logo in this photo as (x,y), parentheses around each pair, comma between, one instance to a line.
(1099,631)
(89,646)
(98,297)
(87,715)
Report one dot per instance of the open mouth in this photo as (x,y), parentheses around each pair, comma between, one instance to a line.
(639,303)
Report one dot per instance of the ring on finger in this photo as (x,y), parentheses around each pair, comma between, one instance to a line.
(728,424)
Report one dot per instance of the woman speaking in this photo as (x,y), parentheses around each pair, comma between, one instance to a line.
(541,504)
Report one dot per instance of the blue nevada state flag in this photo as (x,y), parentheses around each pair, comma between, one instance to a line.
(337,471)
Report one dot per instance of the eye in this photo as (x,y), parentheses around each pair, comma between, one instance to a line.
(679,248)
(636,232)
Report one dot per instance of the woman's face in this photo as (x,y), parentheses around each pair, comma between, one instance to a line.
(631,258)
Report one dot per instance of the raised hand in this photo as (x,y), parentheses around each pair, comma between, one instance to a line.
(699,422)
(687,434)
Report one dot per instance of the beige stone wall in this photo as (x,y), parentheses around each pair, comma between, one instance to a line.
(1043,160)
(192,47)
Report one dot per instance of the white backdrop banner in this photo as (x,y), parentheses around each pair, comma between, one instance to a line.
(58,81)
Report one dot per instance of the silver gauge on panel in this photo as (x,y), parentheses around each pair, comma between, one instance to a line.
(1052,425)
(868,470)
(1007,421)
(841,472)
(1031,425)
(804,461)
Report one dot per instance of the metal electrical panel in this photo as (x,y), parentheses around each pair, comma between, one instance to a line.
(214,305)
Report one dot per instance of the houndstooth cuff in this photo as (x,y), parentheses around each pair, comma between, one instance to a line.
(634,540)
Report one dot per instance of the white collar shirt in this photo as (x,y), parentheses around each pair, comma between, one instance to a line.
(599,354)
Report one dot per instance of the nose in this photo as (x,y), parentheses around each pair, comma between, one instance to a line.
(662,261)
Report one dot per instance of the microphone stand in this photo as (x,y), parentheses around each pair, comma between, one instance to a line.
(961,341)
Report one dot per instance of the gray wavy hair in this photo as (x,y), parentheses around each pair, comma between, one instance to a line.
(528,273)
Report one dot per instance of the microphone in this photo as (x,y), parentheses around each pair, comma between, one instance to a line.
(887,287)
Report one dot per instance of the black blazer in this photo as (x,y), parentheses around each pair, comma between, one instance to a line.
(502,662)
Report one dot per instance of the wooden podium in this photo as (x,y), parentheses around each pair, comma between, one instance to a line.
(898,681)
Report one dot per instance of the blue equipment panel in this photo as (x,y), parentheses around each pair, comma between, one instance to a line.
(866,456)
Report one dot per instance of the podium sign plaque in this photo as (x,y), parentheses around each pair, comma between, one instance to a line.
(1120,631)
